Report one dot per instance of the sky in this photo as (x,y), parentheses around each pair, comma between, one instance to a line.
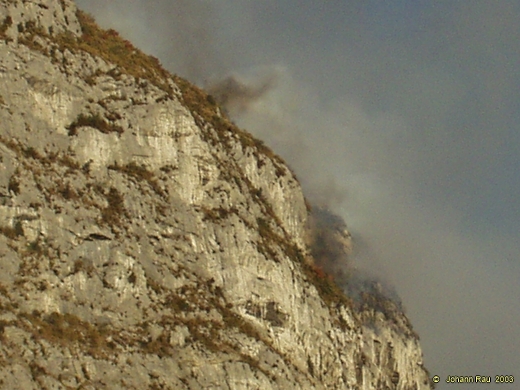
(402,116)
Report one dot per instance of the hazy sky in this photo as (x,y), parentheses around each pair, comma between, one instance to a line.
(404,116)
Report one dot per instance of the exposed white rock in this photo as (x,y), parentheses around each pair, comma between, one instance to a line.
(149,248)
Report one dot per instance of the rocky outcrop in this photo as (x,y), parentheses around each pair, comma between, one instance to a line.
(146,242)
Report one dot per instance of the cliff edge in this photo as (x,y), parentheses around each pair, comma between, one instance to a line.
(147,242)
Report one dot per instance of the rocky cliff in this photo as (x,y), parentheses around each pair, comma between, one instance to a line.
(148,243)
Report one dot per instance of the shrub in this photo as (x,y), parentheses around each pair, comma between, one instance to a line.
(141,173)
(9,232)
(328,290)
(36,249)
(211,100)
(111,215)
(95,121)
(82,265)
(217,214)
(30,32)
(30,152)
(69,162)
(67,192)
(137,171)
(67,329)
(8,22)
(14,184)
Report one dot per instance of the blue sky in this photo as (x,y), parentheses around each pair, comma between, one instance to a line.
(404,116)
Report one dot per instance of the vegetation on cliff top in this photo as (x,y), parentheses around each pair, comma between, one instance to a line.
(110,46)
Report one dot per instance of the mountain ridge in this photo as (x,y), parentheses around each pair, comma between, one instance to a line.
(148,242)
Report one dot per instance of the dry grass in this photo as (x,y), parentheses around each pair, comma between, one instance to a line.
(106,44)
(67,329)
(115,211)
(6,23)
(217,214)
(110,46)
(14,184)
(68,192)
(140,173)
(12,232)
(329,291)
(95,121)
(30,152)
(69,162)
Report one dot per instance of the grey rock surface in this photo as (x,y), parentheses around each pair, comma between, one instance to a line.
(146,242)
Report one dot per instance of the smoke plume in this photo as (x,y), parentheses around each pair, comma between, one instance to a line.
(236,95)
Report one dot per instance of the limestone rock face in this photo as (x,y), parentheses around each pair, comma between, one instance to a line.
(146,242)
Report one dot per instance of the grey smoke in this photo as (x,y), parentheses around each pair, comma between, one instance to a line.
(402,117)
(236,95)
